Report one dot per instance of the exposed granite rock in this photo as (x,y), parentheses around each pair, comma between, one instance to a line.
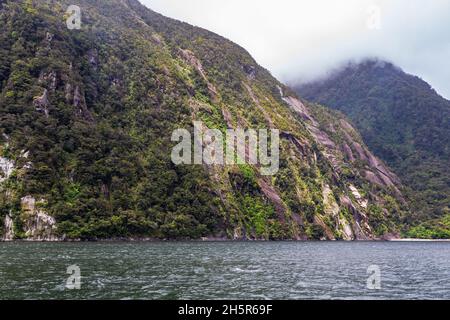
(79,102)
(302,146)
(190,58)
(6,168)
(322,138)
(373,178)
(385,174)
(272,194)
(48,79)
(300,109)
(328,232)
(330,204)
(348,152)
(361,152)
(379,173)
(343,154)
(250,71)
(347,232)
(227,117)
(332,209)
(8,231)
(38,225)
(78,99)
(361,201)
(42,103)
(360,226)
(347,126)
(311,152)
(68,93)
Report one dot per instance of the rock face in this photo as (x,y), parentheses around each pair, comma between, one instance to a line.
(194,62)
(8,233)
(39,226)
(6,168)
(250,71)
(335,135)
(99,137)
(42,103)
(48,79)
(79,102)
(403,121)
(361,201)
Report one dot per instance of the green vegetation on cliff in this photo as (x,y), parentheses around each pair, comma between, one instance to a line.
(86,118)
(405,123)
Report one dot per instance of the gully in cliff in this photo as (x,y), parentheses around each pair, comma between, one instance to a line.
(209,147)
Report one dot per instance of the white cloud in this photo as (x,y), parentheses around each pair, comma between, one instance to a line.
(303,39)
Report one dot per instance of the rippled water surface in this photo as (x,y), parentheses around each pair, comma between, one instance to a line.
(225,270)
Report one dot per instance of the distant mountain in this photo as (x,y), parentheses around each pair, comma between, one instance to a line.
(86,121)
(405,123)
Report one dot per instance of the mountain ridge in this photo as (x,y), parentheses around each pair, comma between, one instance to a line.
(85,137)
(405,122)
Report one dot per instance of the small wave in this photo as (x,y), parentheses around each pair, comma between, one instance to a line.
(239,270)
(302,284)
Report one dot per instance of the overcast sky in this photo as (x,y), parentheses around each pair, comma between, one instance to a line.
(304,39)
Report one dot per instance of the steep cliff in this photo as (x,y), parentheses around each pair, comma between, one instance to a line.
(86,124)
(406,123)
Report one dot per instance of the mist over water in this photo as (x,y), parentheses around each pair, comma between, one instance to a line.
(230,270)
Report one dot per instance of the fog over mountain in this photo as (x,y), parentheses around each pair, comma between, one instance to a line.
(299,40)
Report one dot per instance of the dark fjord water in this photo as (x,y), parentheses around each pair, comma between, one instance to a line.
(228,270)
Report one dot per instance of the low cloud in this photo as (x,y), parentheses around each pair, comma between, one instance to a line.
(300,40)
